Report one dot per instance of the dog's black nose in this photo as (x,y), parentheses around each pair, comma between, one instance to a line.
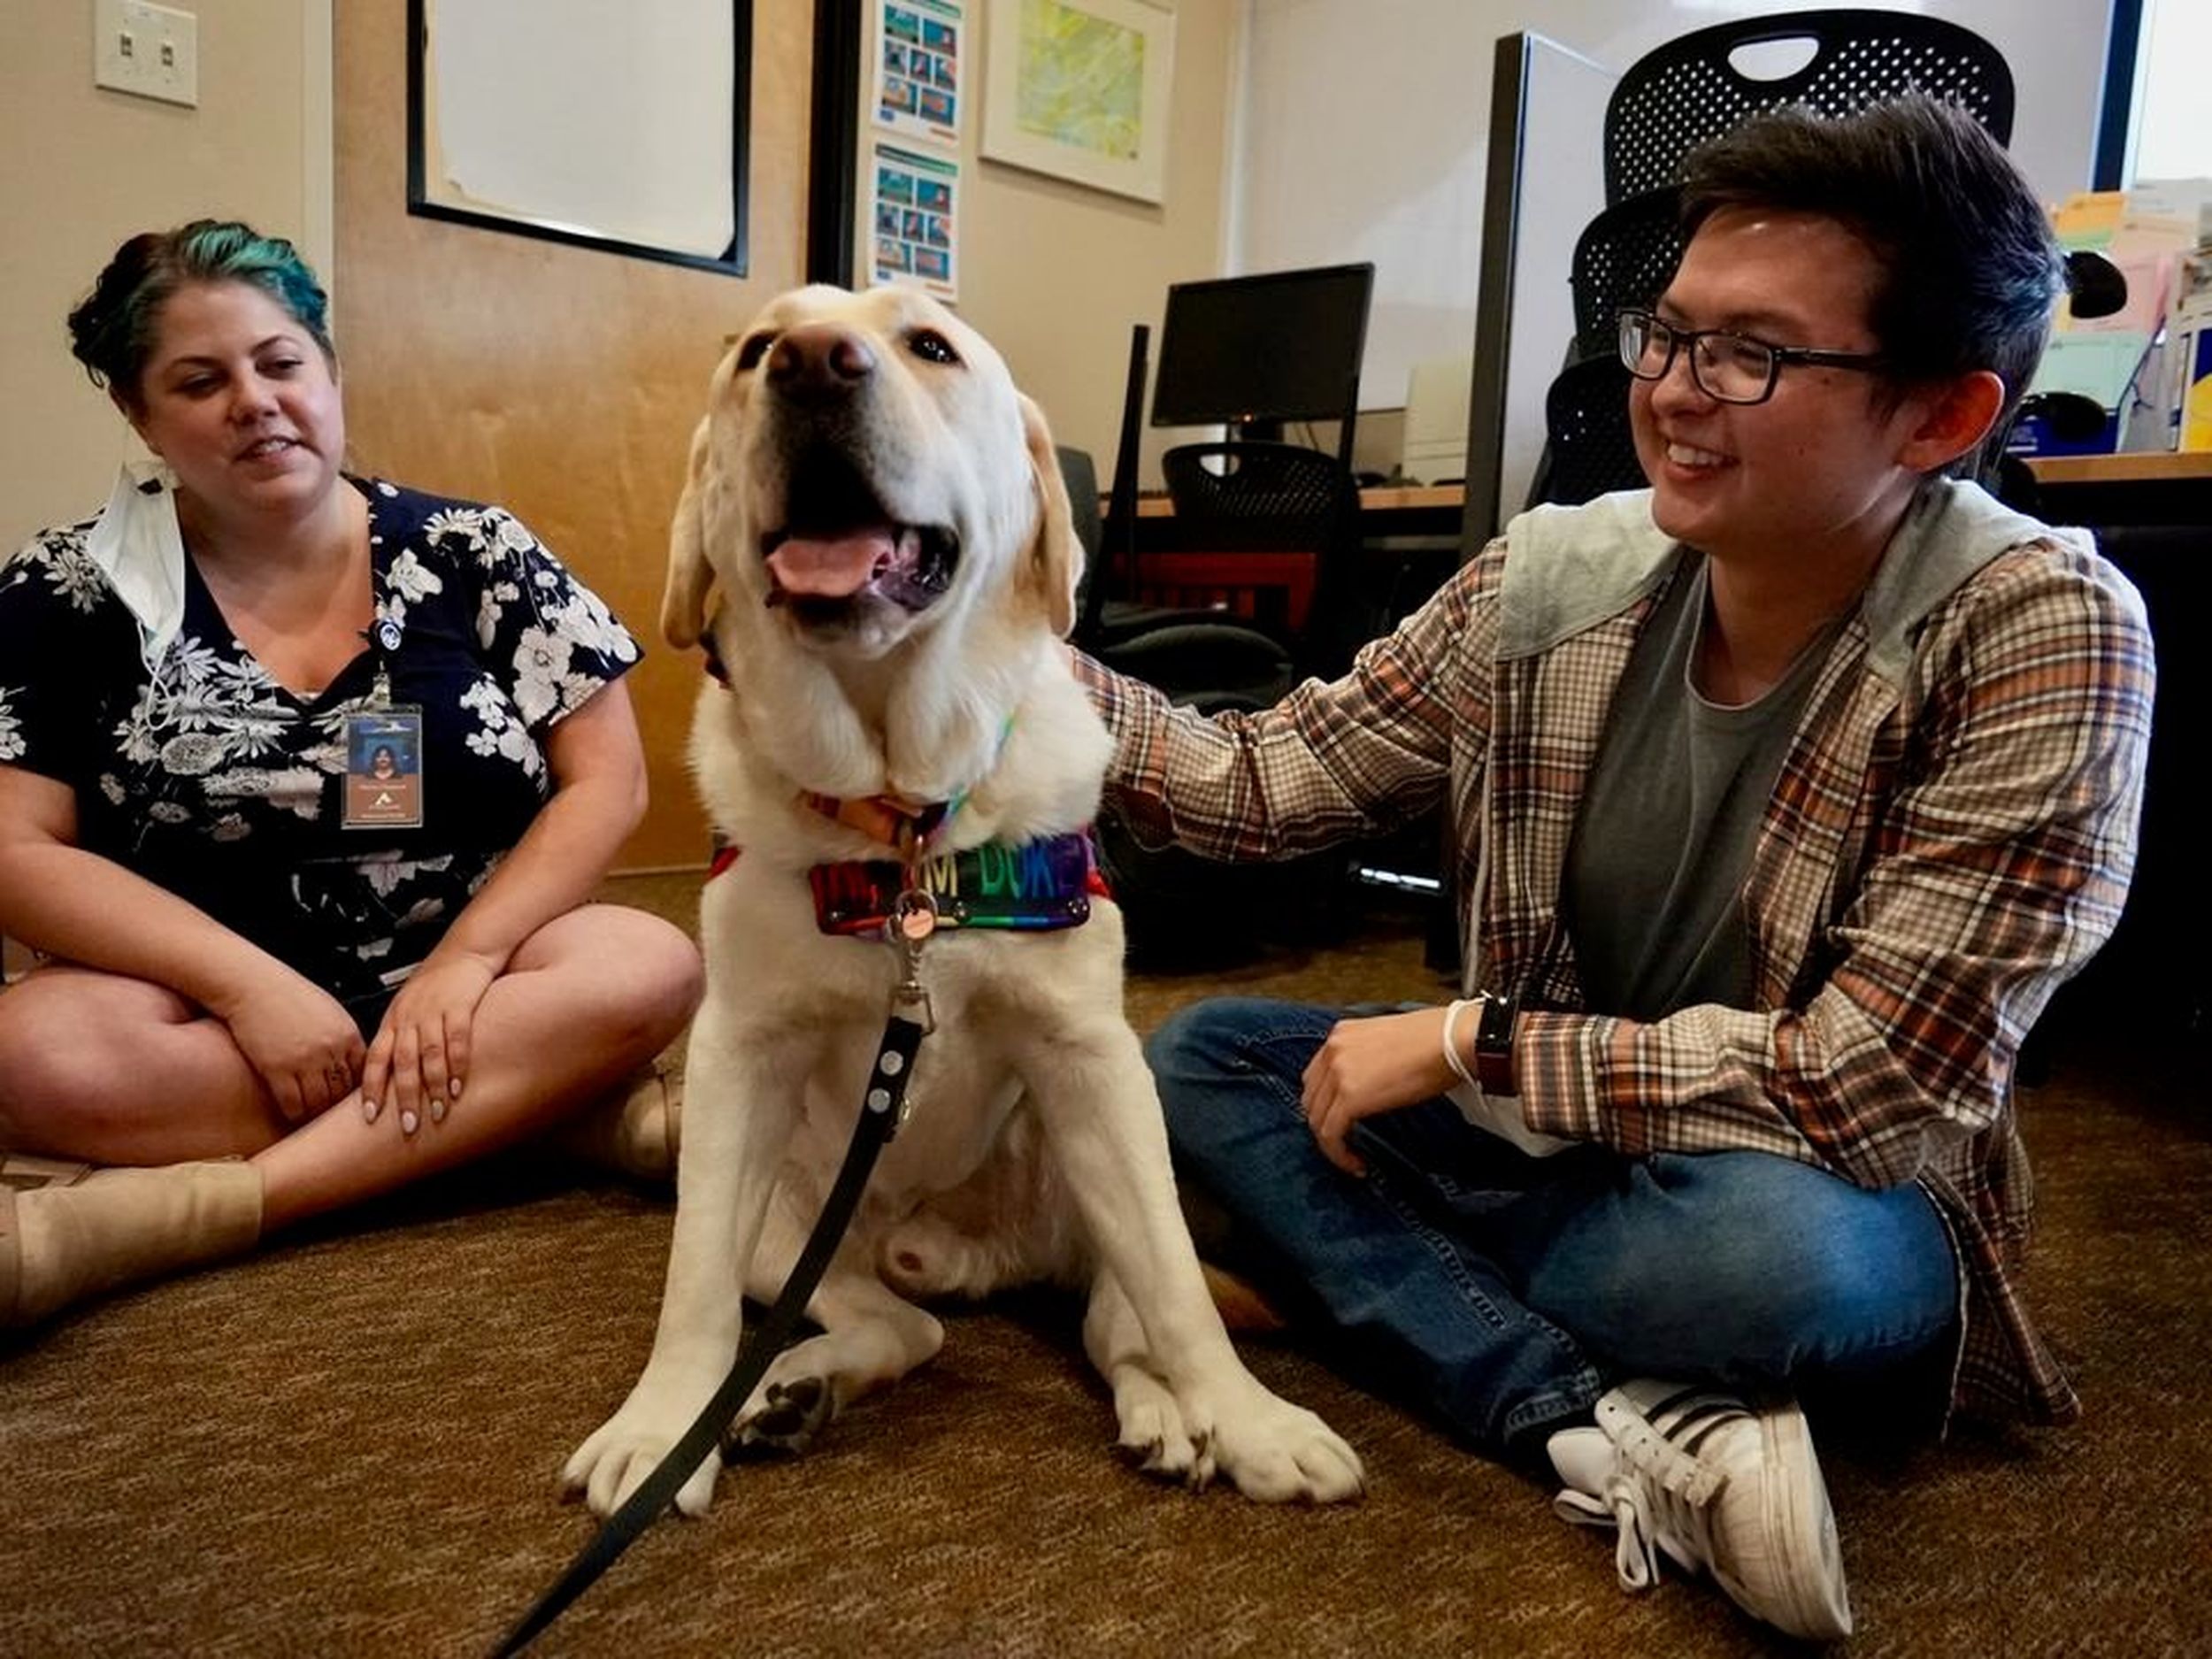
(818,362)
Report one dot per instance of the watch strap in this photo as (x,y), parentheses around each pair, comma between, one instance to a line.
(1494,1044)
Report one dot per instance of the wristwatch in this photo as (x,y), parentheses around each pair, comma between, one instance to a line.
(1494,1044)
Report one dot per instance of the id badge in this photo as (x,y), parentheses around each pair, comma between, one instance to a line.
(384,768)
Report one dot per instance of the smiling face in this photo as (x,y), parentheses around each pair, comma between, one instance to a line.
(241,402)
(1816,471)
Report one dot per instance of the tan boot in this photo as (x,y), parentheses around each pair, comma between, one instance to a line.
(634,1130)
(59,1244)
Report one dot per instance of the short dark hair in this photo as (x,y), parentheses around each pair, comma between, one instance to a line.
(112,331)
(1970,270)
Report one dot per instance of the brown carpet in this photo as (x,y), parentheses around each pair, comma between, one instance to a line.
(349,1446)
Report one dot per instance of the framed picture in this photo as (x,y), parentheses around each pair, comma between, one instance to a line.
(1079,89)
(622,128)
(913,232)
(918,69)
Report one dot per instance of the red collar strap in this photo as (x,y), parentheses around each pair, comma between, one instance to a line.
(905,827)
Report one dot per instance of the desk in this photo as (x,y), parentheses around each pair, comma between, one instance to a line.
(2092,489)
(1386,515)
(2126,489)
(1391,498)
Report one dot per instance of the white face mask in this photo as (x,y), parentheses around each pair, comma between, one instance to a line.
(139,549)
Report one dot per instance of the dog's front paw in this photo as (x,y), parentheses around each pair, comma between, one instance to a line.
(615,1461)
(1278,1453)
(1154,1437)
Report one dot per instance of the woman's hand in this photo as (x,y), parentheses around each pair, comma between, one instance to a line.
(421,1058)
(299,1040)
(1372,1065)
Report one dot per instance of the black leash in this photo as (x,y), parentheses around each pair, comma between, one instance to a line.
(880,1116)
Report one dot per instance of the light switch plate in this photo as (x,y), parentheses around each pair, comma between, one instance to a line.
(150,51)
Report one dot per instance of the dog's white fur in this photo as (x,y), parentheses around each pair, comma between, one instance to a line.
(1036,1147)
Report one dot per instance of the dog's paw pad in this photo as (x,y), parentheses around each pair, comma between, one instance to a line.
(789,1418)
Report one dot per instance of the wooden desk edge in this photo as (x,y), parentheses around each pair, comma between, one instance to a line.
(2160,466)
(1391,498)
(2149,467)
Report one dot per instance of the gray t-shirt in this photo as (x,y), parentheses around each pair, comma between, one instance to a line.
(1655,875)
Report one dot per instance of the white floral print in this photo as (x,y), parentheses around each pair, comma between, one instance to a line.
(228,787)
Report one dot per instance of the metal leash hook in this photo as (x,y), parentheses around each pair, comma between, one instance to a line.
(913,919)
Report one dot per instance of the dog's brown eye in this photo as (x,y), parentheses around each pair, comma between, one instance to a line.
(928,343)
(752,351)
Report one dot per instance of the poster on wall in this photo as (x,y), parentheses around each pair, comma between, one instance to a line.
(913,220)
(917,73)
(1079,89)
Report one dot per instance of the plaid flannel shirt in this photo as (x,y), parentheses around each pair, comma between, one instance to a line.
(1950,838)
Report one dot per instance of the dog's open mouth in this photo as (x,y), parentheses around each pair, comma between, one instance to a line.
(839,545)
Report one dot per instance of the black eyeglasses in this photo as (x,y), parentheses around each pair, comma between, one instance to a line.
(1731,367)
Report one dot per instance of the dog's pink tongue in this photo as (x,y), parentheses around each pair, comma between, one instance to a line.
(830,569)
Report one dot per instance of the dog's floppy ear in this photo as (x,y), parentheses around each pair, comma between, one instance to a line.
(1056,554)
(690,578)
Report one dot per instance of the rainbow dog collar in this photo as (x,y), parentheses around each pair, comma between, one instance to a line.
(1038,887)
(1035,887)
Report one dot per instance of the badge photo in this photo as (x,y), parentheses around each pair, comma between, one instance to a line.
(384,769)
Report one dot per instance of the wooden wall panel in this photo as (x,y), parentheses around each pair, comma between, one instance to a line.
(561,382)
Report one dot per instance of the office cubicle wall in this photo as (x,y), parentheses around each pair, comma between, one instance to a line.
(1545,182)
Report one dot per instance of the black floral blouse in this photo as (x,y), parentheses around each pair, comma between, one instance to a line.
(210,779)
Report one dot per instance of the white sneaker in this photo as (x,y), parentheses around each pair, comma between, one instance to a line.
(1722,1486)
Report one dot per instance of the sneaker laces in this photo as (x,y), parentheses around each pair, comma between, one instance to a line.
(1657,1492)
(1722,1486)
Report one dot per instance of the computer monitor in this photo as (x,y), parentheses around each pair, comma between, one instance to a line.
(1251,352)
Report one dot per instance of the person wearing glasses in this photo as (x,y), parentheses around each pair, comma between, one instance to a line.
(1783,794)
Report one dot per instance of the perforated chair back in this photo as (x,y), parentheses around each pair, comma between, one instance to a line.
(1626,256)
(1261,495)
(1589,449)
(1691,88)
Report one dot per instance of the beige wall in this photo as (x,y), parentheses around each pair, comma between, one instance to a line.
(81,168)
(564,381)
(1055,273)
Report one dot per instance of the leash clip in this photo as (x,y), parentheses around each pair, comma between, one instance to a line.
(913,919)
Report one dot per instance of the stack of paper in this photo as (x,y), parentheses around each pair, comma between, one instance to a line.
(2121,362)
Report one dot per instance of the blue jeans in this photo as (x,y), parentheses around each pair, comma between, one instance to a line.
(1504,1293)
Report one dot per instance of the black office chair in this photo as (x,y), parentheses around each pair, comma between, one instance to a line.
(1626,256)
(1691,88)
(1589,449)
(1277,528)
(1208,660)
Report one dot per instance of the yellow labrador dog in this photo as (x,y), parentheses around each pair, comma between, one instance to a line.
(877,541)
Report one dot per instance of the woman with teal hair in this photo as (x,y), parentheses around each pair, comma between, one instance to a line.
(271,981)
